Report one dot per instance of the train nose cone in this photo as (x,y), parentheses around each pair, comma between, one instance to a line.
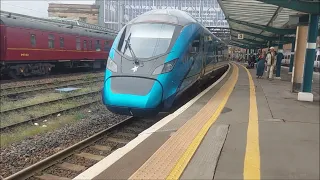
(132,92)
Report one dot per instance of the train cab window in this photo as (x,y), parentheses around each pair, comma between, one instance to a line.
(146,39)
(61,42)
(85,44)
(97,45)
(289,56)
(51,41)
(106,46)
(78,43)
(33,40)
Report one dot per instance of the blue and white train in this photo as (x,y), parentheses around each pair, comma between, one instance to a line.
(155,58)
(287,56)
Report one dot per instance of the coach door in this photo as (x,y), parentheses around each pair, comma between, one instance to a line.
(202,54)
(2,41)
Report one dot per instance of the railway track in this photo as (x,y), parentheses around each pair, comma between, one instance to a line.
(44,83)
(32,120)
(8,80)
(75,159)
(48,102)
(13,94)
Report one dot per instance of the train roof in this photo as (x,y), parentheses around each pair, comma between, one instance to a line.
(172,16)
(44,24)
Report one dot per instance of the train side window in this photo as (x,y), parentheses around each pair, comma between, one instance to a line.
(51,41)
(318,58)
(78,43)
(195,45)
(33,40)
(289,56)
(106,46)
(97,46)
(85,44)
(90,44)
(61,42)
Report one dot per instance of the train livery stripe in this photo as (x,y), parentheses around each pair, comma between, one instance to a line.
(30,49)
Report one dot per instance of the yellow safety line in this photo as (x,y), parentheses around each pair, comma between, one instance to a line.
(187,155)
(252,157)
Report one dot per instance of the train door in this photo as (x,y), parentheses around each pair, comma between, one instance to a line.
(202,54)
(2,41)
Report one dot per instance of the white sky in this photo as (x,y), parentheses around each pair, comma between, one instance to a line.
(38,8)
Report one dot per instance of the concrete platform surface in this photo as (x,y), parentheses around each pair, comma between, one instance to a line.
(259,131)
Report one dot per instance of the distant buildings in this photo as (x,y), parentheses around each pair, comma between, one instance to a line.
(81,12)
(115,13)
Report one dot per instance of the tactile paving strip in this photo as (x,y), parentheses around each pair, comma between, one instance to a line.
(165,159)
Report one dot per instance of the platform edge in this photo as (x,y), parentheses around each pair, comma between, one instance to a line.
(105,163)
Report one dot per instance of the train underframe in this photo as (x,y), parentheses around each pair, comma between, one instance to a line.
(34,68)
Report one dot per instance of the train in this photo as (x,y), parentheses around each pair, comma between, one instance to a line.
(287,55)
(155,58)
(33,46)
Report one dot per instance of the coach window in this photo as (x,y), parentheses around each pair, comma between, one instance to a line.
(33,40)
(85,44)
(98,45)
(106,46)
(51,41)
(78,43)
(61,42)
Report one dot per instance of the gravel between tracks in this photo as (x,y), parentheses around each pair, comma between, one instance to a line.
(31,150)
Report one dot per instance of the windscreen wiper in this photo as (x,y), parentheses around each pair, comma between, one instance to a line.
(128,45)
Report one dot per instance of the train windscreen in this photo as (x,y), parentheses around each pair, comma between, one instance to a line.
(146,40)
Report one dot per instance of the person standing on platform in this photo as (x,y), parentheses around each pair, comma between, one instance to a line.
(261,64)
(271,62)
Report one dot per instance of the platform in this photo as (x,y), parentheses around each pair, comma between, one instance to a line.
(238,128)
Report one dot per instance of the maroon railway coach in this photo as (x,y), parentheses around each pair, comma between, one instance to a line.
(34,47)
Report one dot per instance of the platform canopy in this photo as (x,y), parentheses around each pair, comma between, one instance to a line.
(254,23)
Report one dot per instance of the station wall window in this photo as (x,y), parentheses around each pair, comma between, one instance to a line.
(51,41)
(83,19)
(33,40)
(78,43)
(85,44)
(106,46)
(61,42)
(97,45)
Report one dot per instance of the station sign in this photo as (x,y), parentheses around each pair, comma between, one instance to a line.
(240,36)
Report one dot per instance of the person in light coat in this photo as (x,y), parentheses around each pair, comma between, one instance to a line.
(271,62)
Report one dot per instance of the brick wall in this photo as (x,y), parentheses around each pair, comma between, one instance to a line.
(75,11)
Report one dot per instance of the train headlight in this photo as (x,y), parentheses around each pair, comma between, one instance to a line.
(164,68)
(112,66)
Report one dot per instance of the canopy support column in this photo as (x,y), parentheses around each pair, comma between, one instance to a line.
(279,58)
(292,56)
(306,94)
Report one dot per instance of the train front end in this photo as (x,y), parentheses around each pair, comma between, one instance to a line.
(140,75)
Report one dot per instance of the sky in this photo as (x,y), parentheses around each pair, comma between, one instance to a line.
(38,8)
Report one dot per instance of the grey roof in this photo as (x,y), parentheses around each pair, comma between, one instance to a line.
(256,12)
(36,23)
(173,16)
